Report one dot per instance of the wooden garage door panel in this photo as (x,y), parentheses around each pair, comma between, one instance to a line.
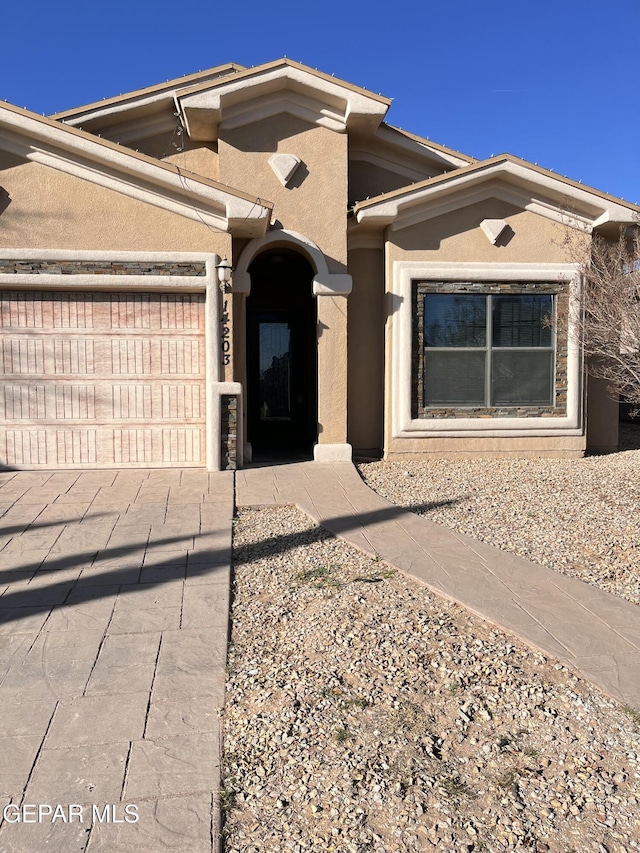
(159,401)
(40,310)
(91,379)
(101,356)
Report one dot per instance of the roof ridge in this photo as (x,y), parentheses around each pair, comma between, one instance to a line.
(291,63)
(226,69)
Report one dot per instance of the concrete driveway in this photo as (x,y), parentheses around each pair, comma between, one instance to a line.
(114,597)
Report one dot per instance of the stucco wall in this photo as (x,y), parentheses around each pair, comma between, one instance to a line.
(457,237)
(313,204)
(202,160)
(366,350)
(602,417)
(332,369)
(315,201)
(51,209)
(367,180)
(468,448)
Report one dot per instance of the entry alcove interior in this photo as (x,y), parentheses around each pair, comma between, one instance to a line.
(282,409)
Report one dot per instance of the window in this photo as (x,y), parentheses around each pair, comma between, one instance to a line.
(487,350)
(274,345)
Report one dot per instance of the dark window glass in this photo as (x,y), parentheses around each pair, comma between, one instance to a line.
(275,344)
(488,350)
(522,378)
(455,321)
(521,321)
(454,378)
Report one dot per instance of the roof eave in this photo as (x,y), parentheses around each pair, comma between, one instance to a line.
(142,97)
(416,144)
(348,107)
(76,152)
(579,203)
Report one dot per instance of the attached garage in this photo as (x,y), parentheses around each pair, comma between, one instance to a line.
(99,380)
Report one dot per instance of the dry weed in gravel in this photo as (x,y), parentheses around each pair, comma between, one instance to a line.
(580,517)
(365,714)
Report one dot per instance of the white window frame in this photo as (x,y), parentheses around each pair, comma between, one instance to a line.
(403,425)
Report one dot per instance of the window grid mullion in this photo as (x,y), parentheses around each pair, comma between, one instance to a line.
(488,359)
(489,356)
(554,344)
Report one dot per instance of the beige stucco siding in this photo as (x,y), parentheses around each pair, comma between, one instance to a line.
(366,350)
(315,201)
(51,209)
(332,370)
(468,448)
(313,204)
(202,160)
(457,237)
(367,180)
(602,417)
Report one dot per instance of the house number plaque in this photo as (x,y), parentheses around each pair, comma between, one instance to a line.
(226,334)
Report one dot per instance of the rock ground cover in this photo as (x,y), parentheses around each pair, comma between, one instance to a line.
(579,516)
(365,714)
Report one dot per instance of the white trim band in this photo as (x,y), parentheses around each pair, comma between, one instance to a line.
(403,425)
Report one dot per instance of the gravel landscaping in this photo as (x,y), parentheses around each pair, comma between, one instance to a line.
(580,516)
(366,714)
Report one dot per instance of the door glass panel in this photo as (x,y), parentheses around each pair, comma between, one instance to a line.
(274,340)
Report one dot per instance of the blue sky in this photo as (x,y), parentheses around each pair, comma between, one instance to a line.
(552,81)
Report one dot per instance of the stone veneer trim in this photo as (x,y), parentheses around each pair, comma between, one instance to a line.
(558,289)
(16,266)
(228,432)
(404,425)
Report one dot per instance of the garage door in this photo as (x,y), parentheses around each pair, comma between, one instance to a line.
(101,380)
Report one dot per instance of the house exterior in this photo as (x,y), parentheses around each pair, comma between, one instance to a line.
(388,295)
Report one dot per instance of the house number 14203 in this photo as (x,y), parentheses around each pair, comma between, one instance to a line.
(226,332)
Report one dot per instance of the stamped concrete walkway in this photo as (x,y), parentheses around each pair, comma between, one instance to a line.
(595,634)
(114,597)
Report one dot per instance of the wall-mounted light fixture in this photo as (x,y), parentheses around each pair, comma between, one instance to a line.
(224,269)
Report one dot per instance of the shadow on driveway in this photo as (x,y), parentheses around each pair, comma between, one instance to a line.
(94,584)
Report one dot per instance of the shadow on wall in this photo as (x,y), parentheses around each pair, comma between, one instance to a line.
(629,435)
(5,200)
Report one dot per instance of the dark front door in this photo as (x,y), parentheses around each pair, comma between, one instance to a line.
(281,355)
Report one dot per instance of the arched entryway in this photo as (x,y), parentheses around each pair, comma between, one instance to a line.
(282,384)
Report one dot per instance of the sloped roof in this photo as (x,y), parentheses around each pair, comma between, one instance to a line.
(248,94)
(288,85)
(406,155)
(448,155)
(67,149)
(144,97)
(504,176)
(273,87)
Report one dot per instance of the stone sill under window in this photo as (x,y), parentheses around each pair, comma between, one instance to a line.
(493,412)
